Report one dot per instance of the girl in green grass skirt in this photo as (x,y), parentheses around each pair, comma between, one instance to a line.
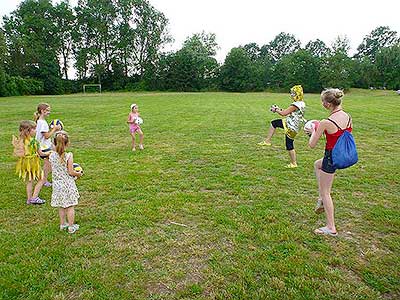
(26,148)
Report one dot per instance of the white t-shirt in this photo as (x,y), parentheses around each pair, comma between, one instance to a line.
(41,127)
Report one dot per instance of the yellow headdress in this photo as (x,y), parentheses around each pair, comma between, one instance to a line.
(296,93)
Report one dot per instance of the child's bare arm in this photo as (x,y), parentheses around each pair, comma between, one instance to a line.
(131,119)
(41,153)
(70,167)
(48,134)
(287,111)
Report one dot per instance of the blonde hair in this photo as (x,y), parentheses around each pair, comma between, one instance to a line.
(40,108)
(333,96)
(61,140)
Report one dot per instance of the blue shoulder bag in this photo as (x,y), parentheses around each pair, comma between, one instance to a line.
(344,153)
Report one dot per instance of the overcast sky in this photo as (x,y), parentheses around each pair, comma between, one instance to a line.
(238,22)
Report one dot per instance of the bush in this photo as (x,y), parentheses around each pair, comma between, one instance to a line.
(17,86)
(72,86)
(136,86)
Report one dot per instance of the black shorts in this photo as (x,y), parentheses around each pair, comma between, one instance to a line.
(327,163)
(278,123)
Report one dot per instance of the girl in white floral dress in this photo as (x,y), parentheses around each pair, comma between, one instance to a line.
(65,194)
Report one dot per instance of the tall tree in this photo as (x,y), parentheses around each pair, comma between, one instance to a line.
(365,73)
(253,51)
(31,33)
(336,71)
(388,66)
(377,39)
(341,44)
(281,45)
(149,36)
(317,48)
(64,20)
(142,31)
(300,67)
(203,43)
(239,73)
(96,36)
(193,67)
(3,57)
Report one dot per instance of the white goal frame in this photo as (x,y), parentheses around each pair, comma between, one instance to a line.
(89,85)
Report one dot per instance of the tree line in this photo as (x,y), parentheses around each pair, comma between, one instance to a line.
(119,43)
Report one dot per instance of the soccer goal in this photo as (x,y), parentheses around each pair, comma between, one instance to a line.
(91,88)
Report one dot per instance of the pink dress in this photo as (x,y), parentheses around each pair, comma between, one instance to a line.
(133,127)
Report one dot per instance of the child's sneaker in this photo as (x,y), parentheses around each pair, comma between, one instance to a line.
(133,149)
(37,200)
(73,228)
(47,184)
(141,147)
(264,143)
(291,166)
(63,226)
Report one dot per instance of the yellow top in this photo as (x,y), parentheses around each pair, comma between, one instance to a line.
(28,166)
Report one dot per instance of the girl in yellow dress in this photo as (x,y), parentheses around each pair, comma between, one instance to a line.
(26,148)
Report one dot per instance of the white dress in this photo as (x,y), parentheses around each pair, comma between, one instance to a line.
(65,193)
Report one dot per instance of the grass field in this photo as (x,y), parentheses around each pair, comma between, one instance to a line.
(245,223)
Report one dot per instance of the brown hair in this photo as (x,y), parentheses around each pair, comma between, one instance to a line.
(25,127)
(332,96)
(40,108)
(61,140)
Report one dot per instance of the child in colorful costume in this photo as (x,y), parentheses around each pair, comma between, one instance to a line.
(26,148)
(291,124)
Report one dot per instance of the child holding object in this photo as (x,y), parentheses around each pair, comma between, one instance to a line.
(294,116)
(134,121)
(26,148)
(43,135)
(65,194)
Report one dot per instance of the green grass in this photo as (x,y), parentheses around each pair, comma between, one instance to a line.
(249,222)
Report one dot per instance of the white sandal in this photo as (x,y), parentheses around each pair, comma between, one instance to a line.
(63,226)
(73,228)
(325,231)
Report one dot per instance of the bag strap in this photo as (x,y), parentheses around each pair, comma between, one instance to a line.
(347,126)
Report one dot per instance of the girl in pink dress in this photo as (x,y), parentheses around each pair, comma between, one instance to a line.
(134,122)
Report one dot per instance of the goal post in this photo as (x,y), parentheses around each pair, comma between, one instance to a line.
(90,86)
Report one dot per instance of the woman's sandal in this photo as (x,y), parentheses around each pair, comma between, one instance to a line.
(325,231)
